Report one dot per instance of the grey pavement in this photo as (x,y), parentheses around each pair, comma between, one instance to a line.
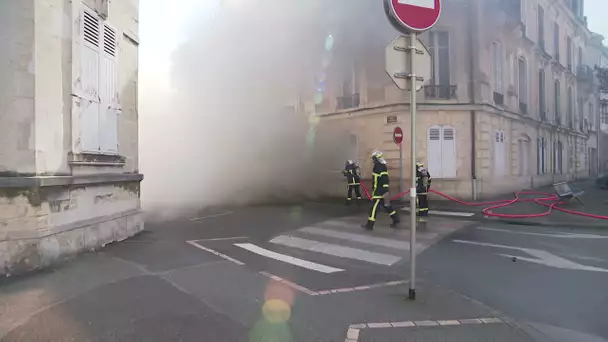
(552,276)
(158,287)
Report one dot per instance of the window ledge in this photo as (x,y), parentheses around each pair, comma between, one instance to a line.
(86,159)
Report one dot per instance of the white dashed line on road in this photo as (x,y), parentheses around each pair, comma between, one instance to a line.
(446,213)
(209,250)
(558,235)
(288,259)
(352,335)
(336,250)
(391,243)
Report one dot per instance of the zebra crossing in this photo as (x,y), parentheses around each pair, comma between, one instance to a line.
(336,245)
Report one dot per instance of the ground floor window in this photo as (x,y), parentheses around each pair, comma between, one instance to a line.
(441,151)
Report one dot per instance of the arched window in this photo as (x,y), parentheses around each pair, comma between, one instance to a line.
(441,152)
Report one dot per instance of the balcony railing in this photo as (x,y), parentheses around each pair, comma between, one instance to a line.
(440,92)
(350,101)
(584,73)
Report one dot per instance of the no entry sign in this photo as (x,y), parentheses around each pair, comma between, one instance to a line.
(398,135)
(413,15)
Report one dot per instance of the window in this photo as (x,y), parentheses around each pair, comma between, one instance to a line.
(604,111)
(541,27)
(497,67)
(524,17)
(558,102)
(570,107)
(556,40)
(569,53)
(580,56)
(442,152)
(500,154)
(523,153)
(542,111)
(541,155)
(591,117)
(559,157)
(350,88)
(579,115)
(98,93)
(439,47)
(523,85)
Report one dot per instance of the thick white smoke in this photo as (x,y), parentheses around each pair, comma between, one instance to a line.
(220,132)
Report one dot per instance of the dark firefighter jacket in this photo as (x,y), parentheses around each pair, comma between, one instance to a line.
(352,174)
(380,175)
(423,181)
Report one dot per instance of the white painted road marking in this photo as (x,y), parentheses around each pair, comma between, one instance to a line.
(446,213)
(288,259)
(558,235)
(209,250)
(419,3)
(335,250)
(211,216)
(354,330)
(542,257)
(358,238)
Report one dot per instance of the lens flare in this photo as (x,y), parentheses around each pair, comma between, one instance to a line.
(329,42)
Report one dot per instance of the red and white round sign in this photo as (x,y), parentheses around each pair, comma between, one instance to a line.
(413,15)
(398,135)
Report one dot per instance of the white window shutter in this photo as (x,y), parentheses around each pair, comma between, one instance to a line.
(434,152)
(448,153)
(108,115)
(90,102)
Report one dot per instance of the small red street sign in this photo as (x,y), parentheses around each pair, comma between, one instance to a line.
(413,15)
(398,135)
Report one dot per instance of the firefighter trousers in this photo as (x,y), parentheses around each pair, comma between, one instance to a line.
(377,204)
(423,204)
(356,188)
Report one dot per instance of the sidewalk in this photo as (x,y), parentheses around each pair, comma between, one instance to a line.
(595,201)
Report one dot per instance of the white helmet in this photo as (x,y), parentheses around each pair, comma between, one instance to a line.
(377,155)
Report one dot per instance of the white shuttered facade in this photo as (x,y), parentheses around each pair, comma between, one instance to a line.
(442,152)
(97,115)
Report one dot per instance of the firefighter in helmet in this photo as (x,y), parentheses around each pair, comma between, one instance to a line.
(423,184)
(380,194)
(352,173)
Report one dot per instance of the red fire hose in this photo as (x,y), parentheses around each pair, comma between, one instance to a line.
(554,204)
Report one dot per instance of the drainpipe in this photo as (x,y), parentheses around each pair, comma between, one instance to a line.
(473,51)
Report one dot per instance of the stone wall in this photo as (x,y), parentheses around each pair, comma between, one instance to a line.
(40,225)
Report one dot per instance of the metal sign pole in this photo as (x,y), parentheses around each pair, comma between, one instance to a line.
(412,53)
(401,171)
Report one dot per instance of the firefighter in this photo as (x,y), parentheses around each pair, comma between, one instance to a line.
(353,177)
(380,194)
(423,184)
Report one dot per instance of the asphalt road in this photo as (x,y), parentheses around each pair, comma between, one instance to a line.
(552,276)
(310,273)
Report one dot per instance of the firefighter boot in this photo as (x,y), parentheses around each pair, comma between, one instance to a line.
(396,221)
(368,226)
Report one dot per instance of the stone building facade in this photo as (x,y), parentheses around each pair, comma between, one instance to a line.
(69,178)
(511,103)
